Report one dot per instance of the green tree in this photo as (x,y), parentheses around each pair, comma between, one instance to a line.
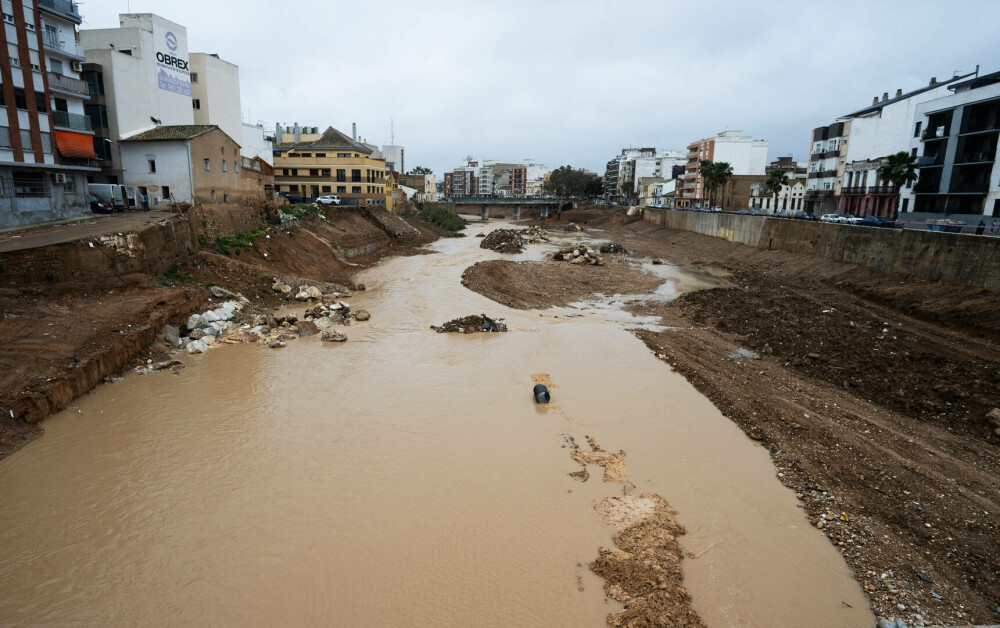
(776,179)
(723,173)
(567,182)
(898,170)
(421,170)
(594,187)
(709,172)
(627,187)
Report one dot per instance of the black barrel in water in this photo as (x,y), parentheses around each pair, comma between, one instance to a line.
(541,394)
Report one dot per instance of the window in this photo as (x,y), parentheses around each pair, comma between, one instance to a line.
(356,176)
(906,201)
(7,17)
(295,172)
(914,151)
(307,155)
(326,189)
(325,172)
(70,185)
(41,104)
(55,64)
(236,166)
(343,154)
(29,26)
(194,77)
(916,130)
(341,175)
(356,189)
(225,197)
(213,195)
(208,165)
(342,189)
(313,172)
(225,166)
(4,137)
(321,154)
(25,139)
(20,99)
(166,191)
(195,103)
(293,188)
(152,165)
(284,172)
(46,143)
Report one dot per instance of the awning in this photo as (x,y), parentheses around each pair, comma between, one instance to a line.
(75,144)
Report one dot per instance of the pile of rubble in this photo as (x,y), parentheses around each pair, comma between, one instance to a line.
(534,235)
(573,227)
(471,325)
(503,241)
(581,254)
(304,292)
(613,247)
(202,330)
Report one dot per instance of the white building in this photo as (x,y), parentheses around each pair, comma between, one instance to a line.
(790,198)
(256,143)
(955,138)
(215,93)
(395,157)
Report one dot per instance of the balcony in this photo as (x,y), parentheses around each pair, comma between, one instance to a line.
(822,174)
(71,49)
(74,121)
(928,186)
(858,189)
(883,189)
(67,84)
(62,8)
(971,188)
(824,155)
(934,133)
(977,157)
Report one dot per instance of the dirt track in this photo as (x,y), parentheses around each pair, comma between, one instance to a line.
(870,391)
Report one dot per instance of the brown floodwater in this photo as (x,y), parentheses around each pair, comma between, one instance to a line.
(404,478)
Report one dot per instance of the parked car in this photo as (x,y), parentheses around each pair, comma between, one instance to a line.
(329,199)
(875,221)
(850,219)
(98,206)
(829,218)
(800,215)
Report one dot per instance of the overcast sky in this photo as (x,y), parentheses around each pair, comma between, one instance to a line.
(573,82)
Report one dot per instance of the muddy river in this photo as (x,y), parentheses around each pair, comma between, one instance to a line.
(404,478)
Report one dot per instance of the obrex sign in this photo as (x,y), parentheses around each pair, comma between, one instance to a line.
(172,61)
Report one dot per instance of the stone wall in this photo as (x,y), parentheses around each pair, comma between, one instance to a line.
(951,257)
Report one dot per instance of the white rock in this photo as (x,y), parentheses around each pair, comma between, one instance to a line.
(323,322)
(208,340)
(193,321)
(302,295)
(196,346)
(314,292)
(209,317)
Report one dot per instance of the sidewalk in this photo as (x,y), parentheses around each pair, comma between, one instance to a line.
(36,236)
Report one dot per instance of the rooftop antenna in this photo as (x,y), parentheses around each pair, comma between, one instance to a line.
(392,132)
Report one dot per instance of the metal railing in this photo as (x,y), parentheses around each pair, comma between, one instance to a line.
(883,189)
(75,121)
(66,83)
(52,42)
(933,133)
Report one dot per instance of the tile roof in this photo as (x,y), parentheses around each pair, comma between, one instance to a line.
(171,133)
(330,139)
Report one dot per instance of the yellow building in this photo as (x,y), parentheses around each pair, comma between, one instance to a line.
(309,165)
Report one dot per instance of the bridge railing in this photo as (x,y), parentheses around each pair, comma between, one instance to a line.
(504,199)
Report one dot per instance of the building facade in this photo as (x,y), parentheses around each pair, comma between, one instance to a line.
(46,140)
(215,93)
(955,138)
(310,165)
(747,156)
(425,186)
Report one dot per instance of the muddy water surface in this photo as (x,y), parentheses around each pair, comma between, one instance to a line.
(402,478)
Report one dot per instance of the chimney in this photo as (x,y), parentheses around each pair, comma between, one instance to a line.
(875,100)
(297,129)
(899,93)
(277,132)
(885,96)
(933,81)
(354,131)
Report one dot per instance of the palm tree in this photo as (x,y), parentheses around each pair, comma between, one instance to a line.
(776,180)
(709,177)
(898,170)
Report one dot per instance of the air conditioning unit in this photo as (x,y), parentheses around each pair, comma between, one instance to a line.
(77,66)
(60,177)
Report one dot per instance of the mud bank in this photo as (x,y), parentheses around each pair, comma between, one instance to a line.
(870,391)
(77,312)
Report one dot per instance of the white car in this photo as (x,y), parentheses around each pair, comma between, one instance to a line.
(848,219)
(829,218)
(329,199)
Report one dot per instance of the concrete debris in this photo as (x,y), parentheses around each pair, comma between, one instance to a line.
(613,247)
(471,325)
(480,235)
(581,254)
(221,293)
(196,346)
(573,227)
(172,335)
(503,241)
(331,335)
(533,235)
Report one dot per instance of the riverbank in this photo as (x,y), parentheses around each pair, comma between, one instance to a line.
(79,310)
(870,391)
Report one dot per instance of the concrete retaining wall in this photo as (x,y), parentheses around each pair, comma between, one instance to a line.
(952,257)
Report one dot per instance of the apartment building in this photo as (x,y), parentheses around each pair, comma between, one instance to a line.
(747,156)
(621,169)
(215,93)
(395,157)
(308,164)
(955,137)
(46,141)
